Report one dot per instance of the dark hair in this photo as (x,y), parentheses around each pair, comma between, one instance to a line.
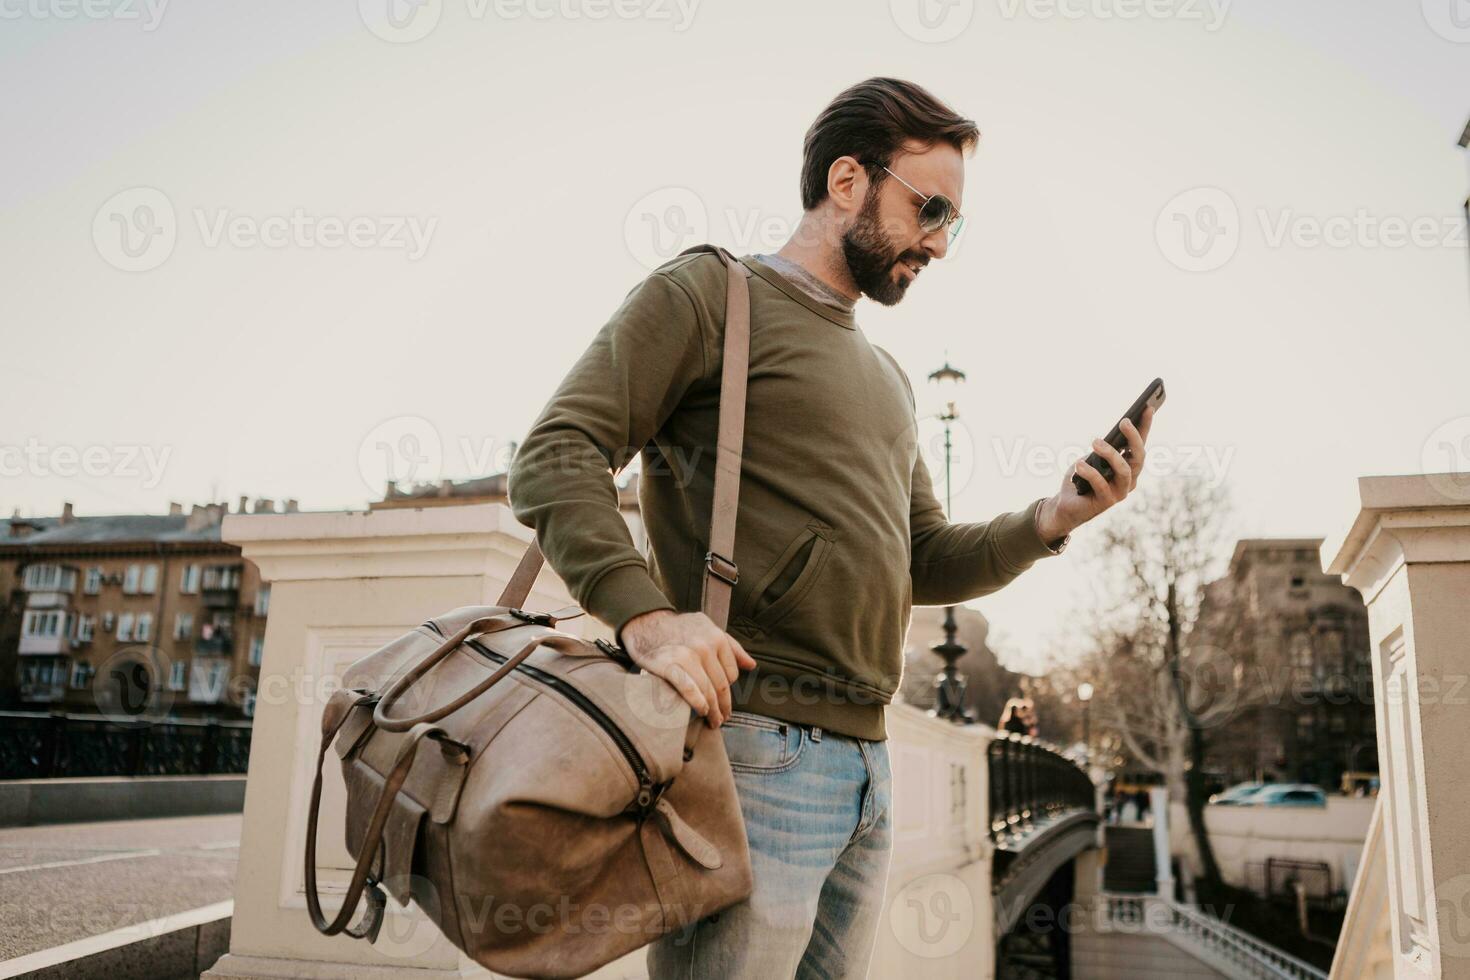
(870,122)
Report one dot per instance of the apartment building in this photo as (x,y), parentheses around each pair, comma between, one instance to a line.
(131,613)
(1303,688)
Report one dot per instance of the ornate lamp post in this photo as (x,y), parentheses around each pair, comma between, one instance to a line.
(949,686)
(1084,694)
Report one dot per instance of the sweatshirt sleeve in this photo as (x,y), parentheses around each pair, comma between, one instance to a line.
(608,407)
(953,563)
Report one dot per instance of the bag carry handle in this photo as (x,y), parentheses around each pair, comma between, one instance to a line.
(339,708)
(569,644)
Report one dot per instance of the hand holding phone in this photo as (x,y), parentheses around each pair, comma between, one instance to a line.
(1153,395)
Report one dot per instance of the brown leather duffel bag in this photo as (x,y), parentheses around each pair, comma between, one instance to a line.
(548,805)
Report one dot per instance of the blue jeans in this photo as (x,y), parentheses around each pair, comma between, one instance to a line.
(817,812)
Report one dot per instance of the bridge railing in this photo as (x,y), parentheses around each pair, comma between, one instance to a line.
(1230,951)
(1031,780)
(41,746)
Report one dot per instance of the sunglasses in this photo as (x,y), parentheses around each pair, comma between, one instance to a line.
(936,212)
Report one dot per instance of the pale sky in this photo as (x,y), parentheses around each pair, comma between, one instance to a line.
(345,229)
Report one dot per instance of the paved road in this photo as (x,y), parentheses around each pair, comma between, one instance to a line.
(69,881)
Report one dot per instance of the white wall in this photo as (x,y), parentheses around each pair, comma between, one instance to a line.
(1243,835)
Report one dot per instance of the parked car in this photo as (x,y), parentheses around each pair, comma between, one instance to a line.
(1238,795)
(1289,794)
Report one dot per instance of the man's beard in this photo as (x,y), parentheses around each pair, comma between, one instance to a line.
(871,255)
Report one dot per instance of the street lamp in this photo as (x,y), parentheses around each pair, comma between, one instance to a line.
(949,693)
(1084,694)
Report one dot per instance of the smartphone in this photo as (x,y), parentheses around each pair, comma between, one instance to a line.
(1152,395)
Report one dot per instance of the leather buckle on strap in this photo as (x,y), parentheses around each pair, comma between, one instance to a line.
(617,653)
(536,619)
(722,568)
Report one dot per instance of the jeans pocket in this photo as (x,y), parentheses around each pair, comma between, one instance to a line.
(757,744)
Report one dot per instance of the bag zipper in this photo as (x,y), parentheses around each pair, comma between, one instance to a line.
(646,797)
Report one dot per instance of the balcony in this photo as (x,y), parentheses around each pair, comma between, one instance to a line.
(219,644)
(42,645)
(50,599)
(220,596)
(42,692)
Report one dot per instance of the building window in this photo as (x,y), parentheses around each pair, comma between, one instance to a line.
(176,675)
(42,623)
(144,630)
(130,580)
(183,626)
(93,584)
(50,578)
(1331,645)
(257,649)
(150,579)
(1306,724)
(222,577)
(85,626)
(189,580)
(1300,648)
(81,674)
(263,601)
(247,704)
(125,626)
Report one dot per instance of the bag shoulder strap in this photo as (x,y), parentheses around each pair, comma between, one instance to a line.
(720,572)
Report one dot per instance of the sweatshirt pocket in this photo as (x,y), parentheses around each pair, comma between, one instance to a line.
(791,576)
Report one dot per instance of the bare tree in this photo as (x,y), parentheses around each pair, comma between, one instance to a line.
(1160,687)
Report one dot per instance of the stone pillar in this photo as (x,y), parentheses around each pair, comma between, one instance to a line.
(1158,805)
(1408,553)
(343,585)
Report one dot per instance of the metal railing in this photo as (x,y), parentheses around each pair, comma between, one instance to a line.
(1031,781)
(1235,953)
(40,746)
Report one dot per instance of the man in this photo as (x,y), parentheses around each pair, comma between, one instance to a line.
(838,530)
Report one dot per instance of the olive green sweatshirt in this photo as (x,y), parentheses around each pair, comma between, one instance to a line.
(839,532)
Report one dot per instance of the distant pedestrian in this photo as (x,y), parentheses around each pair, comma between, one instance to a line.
(1018,717)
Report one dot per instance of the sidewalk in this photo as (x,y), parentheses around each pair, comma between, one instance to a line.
(64,884)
